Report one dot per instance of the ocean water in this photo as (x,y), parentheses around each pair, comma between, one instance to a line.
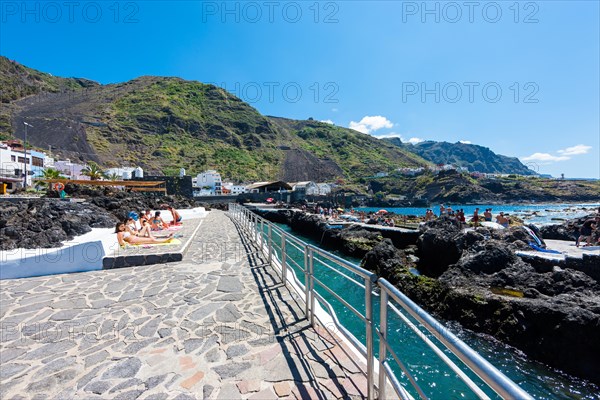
(435,378)
(538,214)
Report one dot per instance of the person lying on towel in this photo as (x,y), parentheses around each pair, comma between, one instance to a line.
(124,236)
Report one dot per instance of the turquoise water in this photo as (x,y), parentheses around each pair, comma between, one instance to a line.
(544,213)
(435,378)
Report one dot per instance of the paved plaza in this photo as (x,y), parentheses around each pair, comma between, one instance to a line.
(217,325)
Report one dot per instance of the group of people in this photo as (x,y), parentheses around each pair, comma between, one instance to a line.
(130,232)
(459,216)
(327,212)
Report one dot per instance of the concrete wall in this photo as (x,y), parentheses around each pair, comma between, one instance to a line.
(175,184)
(24,263)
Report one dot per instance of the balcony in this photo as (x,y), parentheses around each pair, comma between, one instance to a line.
(11,173)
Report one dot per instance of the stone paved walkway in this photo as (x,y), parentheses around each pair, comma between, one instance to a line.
(217,325)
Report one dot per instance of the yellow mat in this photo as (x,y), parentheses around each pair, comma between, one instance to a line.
(172,242)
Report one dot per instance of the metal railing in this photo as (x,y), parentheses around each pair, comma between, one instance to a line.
(276,245)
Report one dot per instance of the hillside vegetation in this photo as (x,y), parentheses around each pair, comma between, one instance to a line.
(471,156)
(454,187)
(163,124)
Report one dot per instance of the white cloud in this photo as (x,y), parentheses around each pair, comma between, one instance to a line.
(371,124)
(465,141)
(415,140)
(544,157)
(563,155)
(328,121)
(575,150)
(389,135)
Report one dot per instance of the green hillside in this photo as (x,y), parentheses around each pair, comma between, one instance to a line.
(471,156)
(163,124)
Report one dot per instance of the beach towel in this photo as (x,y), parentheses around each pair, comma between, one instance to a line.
(334,226)
(533,235)
(172,242)
(538,248)
(493,225)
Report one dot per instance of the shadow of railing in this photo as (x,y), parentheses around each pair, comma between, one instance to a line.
(279,301)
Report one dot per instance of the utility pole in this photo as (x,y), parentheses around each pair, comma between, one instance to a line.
(25,151)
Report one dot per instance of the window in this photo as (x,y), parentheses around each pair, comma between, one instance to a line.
(37,162)
(13,158)
(23,160)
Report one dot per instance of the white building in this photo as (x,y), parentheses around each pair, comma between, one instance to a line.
(234,190)
(11,170)
(126,172)
(381,175)
(14,162)
(308,187)
(324,189)
(71,170)
(411,171)
(208,183)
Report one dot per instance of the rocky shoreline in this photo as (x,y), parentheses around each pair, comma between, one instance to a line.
(550,310)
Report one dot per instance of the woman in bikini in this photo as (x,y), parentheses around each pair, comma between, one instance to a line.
(124,236)
(157,222)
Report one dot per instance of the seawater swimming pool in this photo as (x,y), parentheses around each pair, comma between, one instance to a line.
(536,378)
(539,214)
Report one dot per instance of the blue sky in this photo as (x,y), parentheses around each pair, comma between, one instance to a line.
(519,77)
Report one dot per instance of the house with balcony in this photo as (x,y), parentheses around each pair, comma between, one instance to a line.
(208,183)
(14,161)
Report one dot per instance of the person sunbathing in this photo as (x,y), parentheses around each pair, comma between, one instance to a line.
(147,215)
(157,222)
(502,220)
(176,216)
(124,237)
(144,231)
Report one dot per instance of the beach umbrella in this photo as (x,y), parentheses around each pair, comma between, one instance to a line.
(270,200)
(382,212)
(340,209)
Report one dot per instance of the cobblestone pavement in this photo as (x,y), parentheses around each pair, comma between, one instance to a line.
(217,325)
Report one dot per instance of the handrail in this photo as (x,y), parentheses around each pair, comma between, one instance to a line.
(267,240)
(495,379)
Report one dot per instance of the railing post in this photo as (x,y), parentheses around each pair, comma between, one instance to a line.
(383,298)
(270,244)
(262,237)
(306,285)
(311,287)
(283,260)
(369,337)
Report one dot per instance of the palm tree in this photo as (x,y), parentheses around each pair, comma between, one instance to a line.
(113,177)
(94,171)
(49,173)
